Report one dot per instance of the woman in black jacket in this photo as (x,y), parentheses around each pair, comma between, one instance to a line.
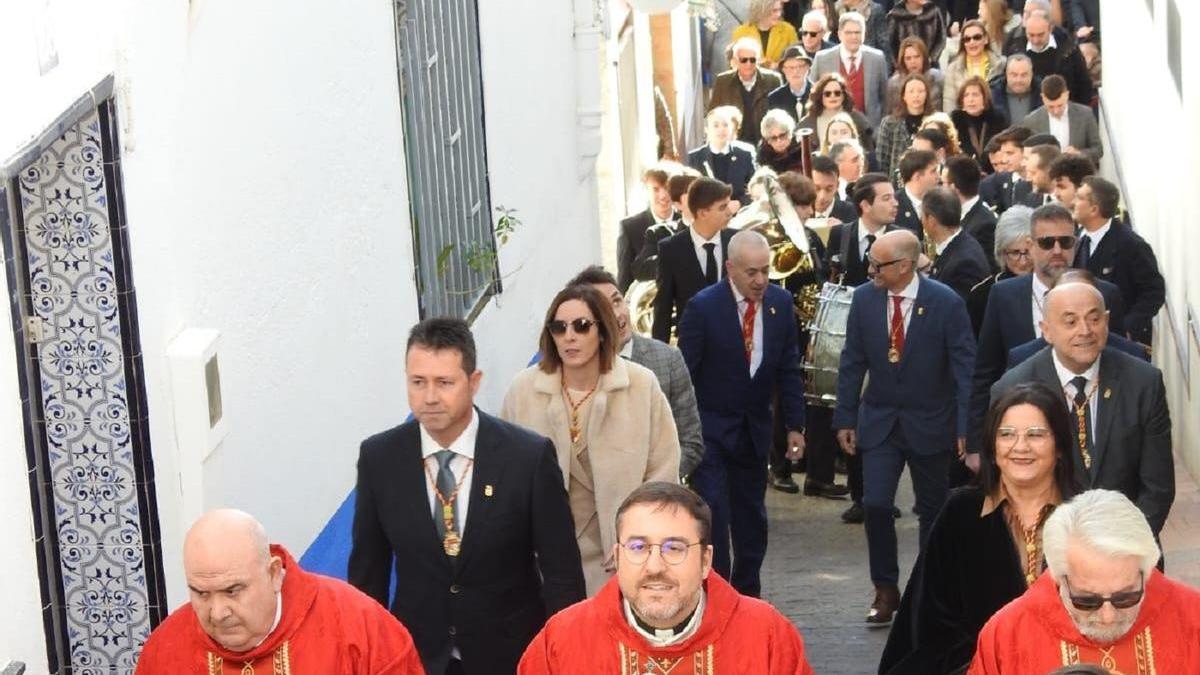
(977,120)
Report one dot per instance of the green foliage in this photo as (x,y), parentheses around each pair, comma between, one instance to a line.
(481,256)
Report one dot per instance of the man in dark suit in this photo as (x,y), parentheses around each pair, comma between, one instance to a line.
(960,262)
(825,176)
(1014,308)
(962,175)
(919,174)
(645,264)
(1053,56)
(1119,402)
(458,504)
(999,190)
(1037,162)
(633,228)
(739,340)
(792,96)
(746,88)
(1066,175)
(722,159)
(1112,251)
(693,258)
(913,337)
(1019,354)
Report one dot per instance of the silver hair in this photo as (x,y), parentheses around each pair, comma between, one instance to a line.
(1105,522)
(836,150)
(815,15)
(1019,57)
(1045,14)
(753,44)
(759,9)
(856,18)
(1038,5)
(776,119)
(1014,224)
(747,240)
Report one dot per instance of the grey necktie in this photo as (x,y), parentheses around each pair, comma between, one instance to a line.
(445,485)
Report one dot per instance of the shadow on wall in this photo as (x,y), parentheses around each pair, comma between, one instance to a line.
(329,553)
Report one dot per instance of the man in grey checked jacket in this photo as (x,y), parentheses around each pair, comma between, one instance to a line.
(665,361)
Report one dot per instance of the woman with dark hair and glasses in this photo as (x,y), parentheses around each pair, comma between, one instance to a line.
(830,97)
(610,422)
(985,548)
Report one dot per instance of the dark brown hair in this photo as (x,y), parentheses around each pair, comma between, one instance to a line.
(606,323)
(901,109)
(593,275)
(1054,86)
(798,187)
(705,191)
(816,98)
(444,332)
(979,83)
(677,185)
(917,44)
(670,496)
(1054,407)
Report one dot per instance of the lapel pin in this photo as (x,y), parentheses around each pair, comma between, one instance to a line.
(920,311)
(487,490)
(771,310)
(1106,270)
(1108,393)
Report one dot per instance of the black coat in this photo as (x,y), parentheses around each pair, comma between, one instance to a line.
(971,129)
(841,256)
(978,297)
(782,98)
(968,570)
(630,243)
(679,278)
(519,561)
(997,190)
(962,265)
(789,160)
(645,265)
(1125,259)
(981,223)
(906,215)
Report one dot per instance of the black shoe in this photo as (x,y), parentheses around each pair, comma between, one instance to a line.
(827,490)
(887,600)
(839,464)
(785,484)
(855,514)
(895,512)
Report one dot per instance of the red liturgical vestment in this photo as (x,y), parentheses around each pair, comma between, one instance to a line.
(737,634)
(1034,634)
(327,628)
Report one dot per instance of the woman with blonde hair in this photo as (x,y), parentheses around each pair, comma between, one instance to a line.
(942,122)
(764,22)
(840,128)
(998,19)
(978,57)
(610,423)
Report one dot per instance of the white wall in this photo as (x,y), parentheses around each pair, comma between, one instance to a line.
(266,193)
(1157,142)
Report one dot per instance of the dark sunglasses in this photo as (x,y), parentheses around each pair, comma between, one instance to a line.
(974,37)
(580,326)
(810,33)
(1091,603)
(1064,242)
(831,93)
(748,59)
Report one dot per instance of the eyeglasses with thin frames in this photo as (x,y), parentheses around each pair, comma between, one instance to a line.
(580,326)
(1008,436)
(672,551)
(1016,253)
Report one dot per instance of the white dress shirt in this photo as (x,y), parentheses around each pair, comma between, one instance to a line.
(916,202)
(940,248)
(756,351)
(1039,298)
(968,205)
(845,56)
(1050,44)
(1064,378)
(698,243)
(463,448)
(862,238)
(909,298)
(1060,128)
(1095,237)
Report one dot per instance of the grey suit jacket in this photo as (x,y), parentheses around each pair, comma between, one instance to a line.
(874,76)
(1083,132)
(1132,447)
(667,364)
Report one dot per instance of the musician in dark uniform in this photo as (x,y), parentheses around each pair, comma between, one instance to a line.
(846,255)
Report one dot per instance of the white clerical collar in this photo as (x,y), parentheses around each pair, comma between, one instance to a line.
(969,204)
(463,445)
(278,616)
(1065,375)
(941,248)
(627,349)
(909,292)
(665,638)
(1050,44)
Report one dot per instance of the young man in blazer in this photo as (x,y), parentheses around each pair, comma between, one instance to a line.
(1122,400)
(633,228)
(962,175)
(457,504)
(960,262)
(1073,124)
(913,337)
(919,174)
(694,258)
(1112,251)
(739,339)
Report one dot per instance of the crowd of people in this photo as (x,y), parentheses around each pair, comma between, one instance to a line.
(926,175)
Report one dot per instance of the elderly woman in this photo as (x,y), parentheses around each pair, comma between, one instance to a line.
(1012,254)
(608,419)
(978,57)
(830,97)
(914,58)
(976,120)
(764,22)
(897,129)
(985,548)
(779,149)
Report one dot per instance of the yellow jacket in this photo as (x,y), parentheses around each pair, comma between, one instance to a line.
(782,36)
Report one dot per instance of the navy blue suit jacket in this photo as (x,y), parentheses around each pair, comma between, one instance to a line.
(1008,323)
(1018,355)
(928,392)
(710,337)
(741,168)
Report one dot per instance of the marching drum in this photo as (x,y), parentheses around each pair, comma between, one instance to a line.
(827,337)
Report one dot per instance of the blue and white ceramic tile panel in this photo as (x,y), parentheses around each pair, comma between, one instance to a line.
(85,402)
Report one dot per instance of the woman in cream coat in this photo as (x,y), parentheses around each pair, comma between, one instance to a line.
(608,419)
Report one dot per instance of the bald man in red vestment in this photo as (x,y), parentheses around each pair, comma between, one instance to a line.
(253,611)
(665,611)
(1101,601)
